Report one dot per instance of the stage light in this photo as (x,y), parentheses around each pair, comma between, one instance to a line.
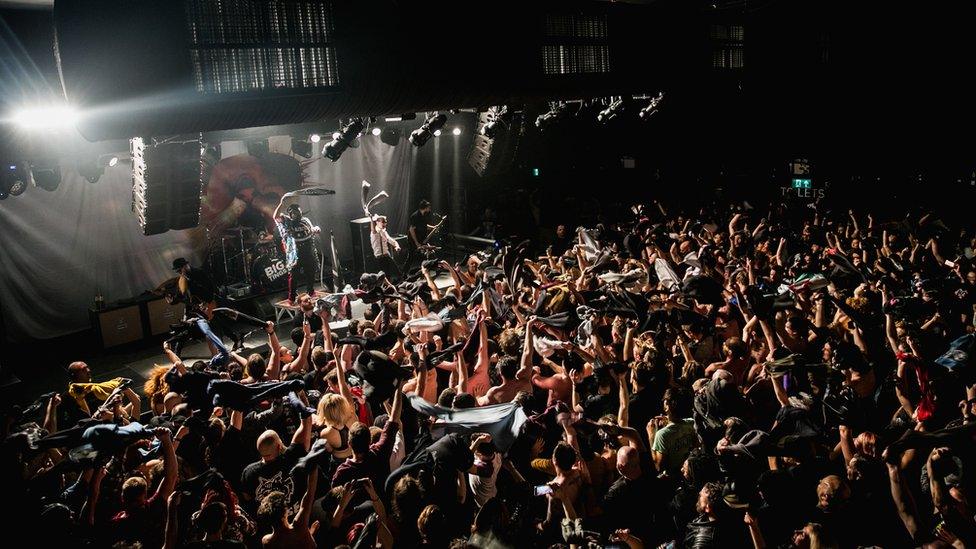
(651,109)
(557,113)
(494,121)
(46,176)
(301,147)
(46,118)
(258,148)
(376,132)
(210,154)
(404,116)
(343,140)
(437,133)
(490,129)
(18,187)
(90,170)
(18,178)
(315,138)
(615,110)
(109,160)
(14,181)
(390,136)
(432,126)
(456,131)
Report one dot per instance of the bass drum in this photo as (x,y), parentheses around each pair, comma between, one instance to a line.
(268,272)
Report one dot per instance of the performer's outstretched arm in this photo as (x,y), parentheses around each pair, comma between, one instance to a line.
(277,212)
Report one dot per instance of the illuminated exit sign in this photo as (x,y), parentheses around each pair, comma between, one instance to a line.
(802,183)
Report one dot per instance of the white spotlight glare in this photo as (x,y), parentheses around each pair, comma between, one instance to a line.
(456,131)
(336,135)
(376,131)
(315,138)
(113,161)
(58,117)
(437,133)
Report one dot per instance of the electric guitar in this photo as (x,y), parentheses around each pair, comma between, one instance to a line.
(195,304)
(426,248)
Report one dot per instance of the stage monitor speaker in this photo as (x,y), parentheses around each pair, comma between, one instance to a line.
(118,326)
(160,315)
(167,181)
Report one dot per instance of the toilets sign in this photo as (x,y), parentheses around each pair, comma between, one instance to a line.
(802,188)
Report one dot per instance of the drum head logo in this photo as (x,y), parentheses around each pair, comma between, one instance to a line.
(276,270)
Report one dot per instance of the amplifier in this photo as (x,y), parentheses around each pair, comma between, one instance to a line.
(161,315)
(362,250)
(118,326)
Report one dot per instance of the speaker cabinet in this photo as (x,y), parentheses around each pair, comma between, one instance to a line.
(160,315)
(118,326)
(167,182)
(362,249)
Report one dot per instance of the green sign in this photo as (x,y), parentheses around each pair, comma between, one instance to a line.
(535,172)
(802,183)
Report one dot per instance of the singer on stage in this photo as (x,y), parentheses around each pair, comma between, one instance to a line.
(382,243)
(301,254)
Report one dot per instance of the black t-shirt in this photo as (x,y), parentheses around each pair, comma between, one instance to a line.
(597,406)
(644,404)
(261,478)
(201,285)
(231,456)
(452,452)
(703,533)
(634,504)
(419,223)
(315,380)
(194,385)
(314,321)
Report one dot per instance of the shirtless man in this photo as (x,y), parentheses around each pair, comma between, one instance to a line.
(513,380)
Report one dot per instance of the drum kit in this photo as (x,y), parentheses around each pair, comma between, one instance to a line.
(244,255)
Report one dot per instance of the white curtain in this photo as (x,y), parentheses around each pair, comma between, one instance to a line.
(58,249)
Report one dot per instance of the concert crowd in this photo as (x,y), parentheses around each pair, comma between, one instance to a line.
(722,377)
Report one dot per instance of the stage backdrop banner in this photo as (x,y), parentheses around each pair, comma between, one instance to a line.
(62,248)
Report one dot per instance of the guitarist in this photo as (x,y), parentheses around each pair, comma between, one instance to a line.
(199,294)
(196,288)
(421,224)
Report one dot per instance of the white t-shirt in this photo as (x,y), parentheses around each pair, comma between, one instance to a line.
(484,488)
